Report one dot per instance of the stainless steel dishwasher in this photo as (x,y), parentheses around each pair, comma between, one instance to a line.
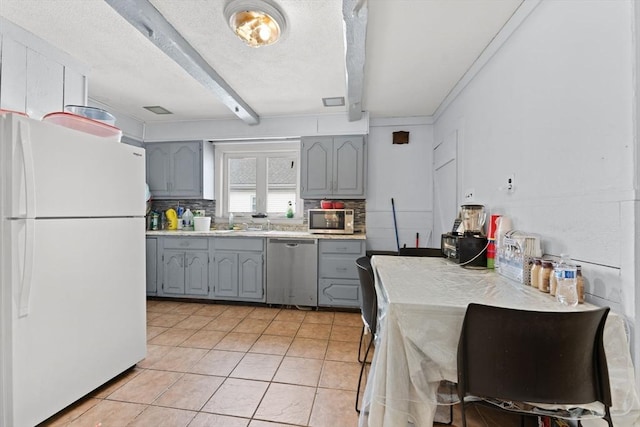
(292,271)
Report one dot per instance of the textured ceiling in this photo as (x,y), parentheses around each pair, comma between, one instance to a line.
(416,51)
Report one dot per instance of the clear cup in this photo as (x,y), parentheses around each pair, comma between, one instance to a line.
(567,288)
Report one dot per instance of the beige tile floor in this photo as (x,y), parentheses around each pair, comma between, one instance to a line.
(211,365)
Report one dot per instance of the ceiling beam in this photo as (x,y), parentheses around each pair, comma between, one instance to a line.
(150,22)
(354,15)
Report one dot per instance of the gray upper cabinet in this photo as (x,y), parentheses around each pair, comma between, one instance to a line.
(180,169)
(333,167)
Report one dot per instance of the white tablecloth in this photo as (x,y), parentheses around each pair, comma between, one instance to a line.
(422,302)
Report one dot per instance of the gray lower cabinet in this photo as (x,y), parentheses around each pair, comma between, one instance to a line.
(338,283)
(238,269)
(185,267)
(152,265)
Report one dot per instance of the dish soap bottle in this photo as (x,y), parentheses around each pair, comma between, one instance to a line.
(290,210)
(230,220)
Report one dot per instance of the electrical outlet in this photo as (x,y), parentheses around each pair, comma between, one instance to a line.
(511,183)
(468,195)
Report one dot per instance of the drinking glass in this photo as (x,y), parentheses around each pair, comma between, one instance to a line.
(567,290)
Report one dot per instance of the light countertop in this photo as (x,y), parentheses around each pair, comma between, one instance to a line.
(258,233)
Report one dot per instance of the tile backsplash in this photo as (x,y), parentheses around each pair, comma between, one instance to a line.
(359,207)
(209,206)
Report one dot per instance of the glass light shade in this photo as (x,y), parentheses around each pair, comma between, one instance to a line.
(255,22)
(255,28)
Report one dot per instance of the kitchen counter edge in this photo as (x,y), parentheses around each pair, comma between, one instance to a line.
(240,233)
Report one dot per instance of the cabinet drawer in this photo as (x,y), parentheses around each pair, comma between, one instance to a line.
(239,243)
(341,293)
(338,267)
(185,243)
(341,247)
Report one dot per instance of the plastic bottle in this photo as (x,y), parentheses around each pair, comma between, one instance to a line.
(187,220)
(290,211)
(565,261)
(230,220)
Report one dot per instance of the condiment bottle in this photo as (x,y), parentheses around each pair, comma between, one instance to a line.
(553,279)
(535,272)
(545,274)
(580,284)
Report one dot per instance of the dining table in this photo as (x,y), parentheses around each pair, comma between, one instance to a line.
(421,306)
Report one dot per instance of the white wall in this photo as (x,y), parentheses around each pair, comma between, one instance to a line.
(555,106)
(402,172)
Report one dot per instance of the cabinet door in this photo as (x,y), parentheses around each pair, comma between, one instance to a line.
(186,169)
(74,87)
(45,85)
(158,164)
(173,272)
(250,276)
(152,265)
(339,292)
(316,167)
(13,75)
(226,272)
(197,273)
(348,166)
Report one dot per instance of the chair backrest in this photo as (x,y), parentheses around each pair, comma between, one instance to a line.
(531,356)
(369,301)
(426,252)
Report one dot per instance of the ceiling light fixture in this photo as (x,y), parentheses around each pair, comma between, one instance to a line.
(255,22)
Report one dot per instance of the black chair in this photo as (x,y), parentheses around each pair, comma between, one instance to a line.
(428,252)
(368,309)
(507,357)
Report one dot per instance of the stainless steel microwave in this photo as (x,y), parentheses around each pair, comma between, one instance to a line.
(330,221)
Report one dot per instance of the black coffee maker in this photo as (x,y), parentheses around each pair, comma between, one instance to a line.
(466,244)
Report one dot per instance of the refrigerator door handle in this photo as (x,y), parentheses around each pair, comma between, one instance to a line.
(25,281)
(24,139)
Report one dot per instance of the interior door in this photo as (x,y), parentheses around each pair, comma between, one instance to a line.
(445,181)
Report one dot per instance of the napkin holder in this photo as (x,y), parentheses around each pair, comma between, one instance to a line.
(516,254)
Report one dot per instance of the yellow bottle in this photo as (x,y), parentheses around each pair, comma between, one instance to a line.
(172,219)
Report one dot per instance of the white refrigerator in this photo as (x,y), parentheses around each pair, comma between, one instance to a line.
(72,266)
